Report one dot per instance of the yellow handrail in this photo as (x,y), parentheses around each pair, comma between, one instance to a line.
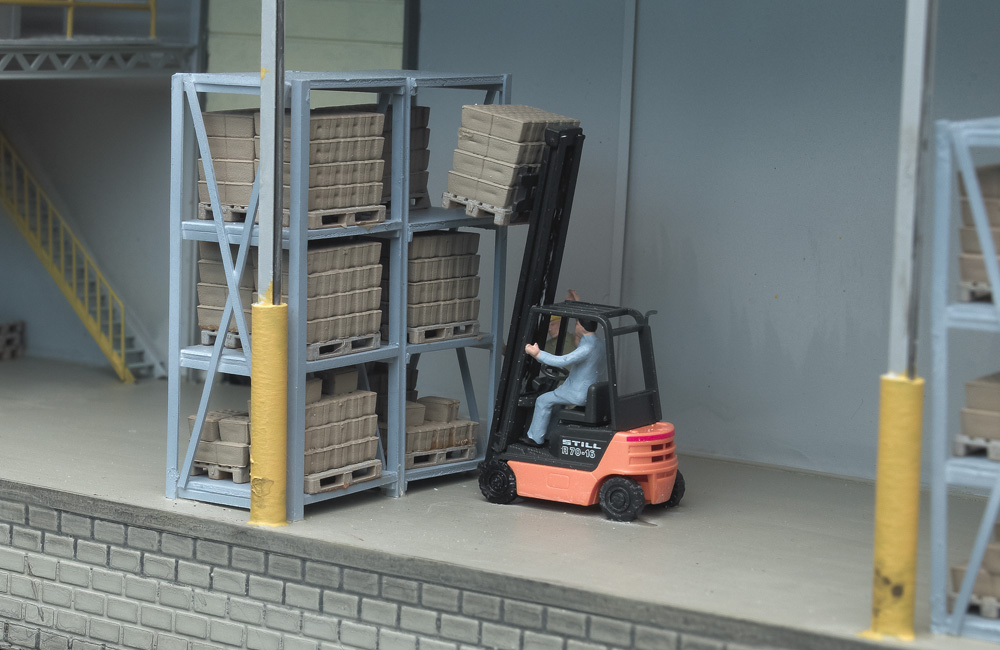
(71,6)
(24,199)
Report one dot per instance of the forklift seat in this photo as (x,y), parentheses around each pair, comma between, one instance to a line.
(595,411)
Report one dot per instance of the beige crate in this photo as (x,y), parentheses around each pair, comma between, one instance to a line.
(319,198)
(488,169)
(341,304)
(210,318)
(984,585)
(439,409)
(209,250)
(224,148)
(438,313)
(341,455)
(427,436)
(340,381)
(337,433)
(337,408)
(463,432)
(981,424)
(972,268)
(314,390)
(992,211)
(341,173)
(335,122)
(443,244)
(213,273)
(441,290)
(334,255)
(970,240)
(442,268)
(215,295)
(336,150)
(235,428)
(487,146)
(229,124)
(983,393)
(210,428)
(341,281)
(229,171)
(500,196)
(414,414)
(227,454)
(348,326)
(989,181)
(513,121)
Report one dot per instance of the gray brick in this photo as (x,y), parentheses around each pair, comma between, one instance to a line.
(176,597)
(12,560)
(360,582)
(292,643)
(54,594)
(342,605)
(125,559)
(262,639)
(302,597)
(406,591)
(167,642)
(50,641)
(266,589)
(193,574)
(359,635)
(29,540)
(536,641)
(610,631)
(418,620)
(434,644)
(92,552)
(157,566)
(158,617)
(561,621)
(319,627)
(44,518)
(134,637)
(524,615)
(105,630)
(142,539)
(42,567)
(689,642)
(4,577)
(379,612)
(107,581)
(25,587)
(74,574)
(228,633)
(574,644)
(58,545)
(177,546)
(5,534)
(438,597)
(212,552)
(324,575)
(249,560)
(501,637)
(246,611)
(22,636)
(191,625)
(281,618)
(393,640)
(481,606)
(75,525)
(36,615)
(87,601)
(459,628)
(72,623)
(230,582)
(10,608)
(79,644)
(282,566)
(140,588)
(110,532)
(651,638)
(15,512)
(123,610)
(198,645)
(210,604)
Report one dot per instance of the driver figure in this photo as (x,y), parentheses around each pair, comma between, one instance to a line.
(584,364)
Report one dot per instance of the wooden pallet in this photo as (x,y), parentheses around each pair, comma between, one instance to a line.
(987,606)
(232,340)
(966,446)
(440,456)
(222,472)
(343,477)
(330,349)
(368,215)
(974,292)
(473,208)
(443,332)
(418,201)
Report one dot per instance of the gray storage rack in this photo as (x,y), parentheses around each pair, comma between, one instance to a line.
(955,142)
(395,88)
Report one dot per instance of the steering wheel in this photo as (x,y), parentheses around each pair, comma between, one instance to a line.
(554,373)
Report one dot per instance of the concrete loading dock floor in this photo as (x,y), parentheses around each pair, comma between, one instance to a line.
(749,544)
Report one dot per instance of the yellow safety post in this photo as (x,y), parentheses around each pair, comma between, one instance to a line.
(269,413)
(897,506)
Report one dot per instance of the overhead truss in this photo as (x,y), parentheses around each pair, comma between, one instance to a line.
(76,59)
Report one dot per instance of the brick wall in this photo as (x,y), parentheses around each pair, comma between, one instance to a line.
(115,579)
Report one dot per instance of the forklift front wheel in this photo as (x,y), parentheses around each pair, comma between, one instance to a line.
(497,482)
(677,493)
(622,498)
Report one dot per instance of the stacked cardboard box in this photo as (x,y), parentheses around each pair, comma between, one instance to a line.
(975,285)
(224,446)
(495,143)
(420,156)
(11,340)
(986,589)
(981,418)
(213,293)
(345,166)
(442,437)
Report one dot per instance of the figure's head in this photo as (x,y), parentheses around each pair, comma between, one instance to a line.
(584,327)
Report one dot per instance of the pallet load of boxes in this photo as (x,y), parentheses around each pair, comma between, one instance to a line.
(972,268)
(420,157)
(497,144)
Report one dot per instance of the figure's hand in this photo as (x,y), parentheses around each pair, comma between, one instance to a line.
(553,328)
(572,295)
(532,350)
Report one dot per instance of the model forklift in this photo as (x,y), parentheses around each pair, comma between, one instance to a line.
(613,450)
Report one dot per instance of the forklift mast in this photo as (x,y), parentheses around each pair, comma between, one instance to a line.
(547,227)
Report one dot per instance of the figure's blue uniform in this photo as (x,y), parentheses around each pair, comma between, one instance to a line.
(585,363)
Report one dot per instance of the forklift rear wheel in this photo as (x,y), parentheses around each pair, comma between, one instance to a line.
(622,498)
(497,482)
(677,493)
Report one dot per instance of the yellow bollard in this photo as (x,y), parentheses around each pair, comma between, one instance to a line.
(897,507)
(268,413)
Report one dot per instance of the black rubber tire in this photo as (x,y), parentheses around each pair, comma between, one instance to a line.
(497,482)
(622,498)
(677,493)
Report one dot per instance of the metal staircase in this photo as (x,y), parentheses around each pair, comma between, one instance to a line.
(73,269)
